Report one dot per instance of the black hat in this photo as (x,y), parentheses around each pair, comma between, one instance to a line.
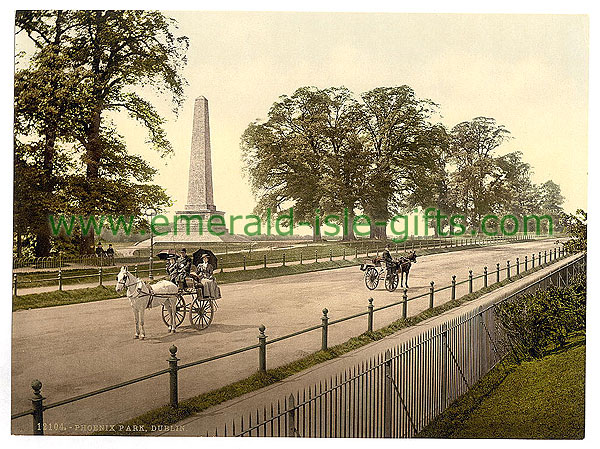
(183,250)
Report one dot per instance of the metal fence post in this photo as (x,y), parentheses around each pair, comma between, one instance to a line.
(244,256)
(15,284)
(344,254)
(540,258)
(554,253)
(387,396)
(453,287)
(37,401)
(283,259)
(545,256)
(301,259)
(470,281)
(316,256)
(485,274)
(262,349)
(497,272)
(525,263)
(518,267)
(404,303)
(444,373)
(356,252)
(370,316)
(174,400)
(264,260)
(291,419)
(330,255)
(59,279)
(508,269)
(324,329)
(100,276)
(533,260)
(431,290)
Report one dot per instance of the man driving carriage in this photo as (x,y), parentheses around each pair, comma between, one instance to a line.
(179,268)
(389,260)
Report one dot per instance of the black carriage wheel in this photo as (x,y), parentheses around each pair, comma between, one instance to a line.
(391,282)
(201,313)
(180,310)
(371,278)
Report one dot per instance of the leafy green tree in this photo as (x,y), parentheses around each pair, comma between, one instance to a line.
(90,64)
(477,176)
(307,155)
(391,122)
(575,225)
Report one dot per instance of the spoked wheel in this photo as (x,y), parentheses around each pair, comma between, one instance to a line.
(371,278)
(391,282)
(201,313)
(180,311)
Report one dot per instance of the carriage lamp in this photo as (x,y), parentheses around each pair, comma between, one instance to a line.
(151,212)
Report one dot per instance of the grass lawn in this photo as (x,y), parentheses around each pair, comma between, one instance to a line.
(541,399)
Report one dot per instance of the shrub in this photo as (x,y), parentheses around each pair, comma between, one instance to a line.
(532,322)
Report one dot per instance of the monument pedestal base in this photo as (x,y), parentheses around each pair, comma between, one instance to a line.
(197,231)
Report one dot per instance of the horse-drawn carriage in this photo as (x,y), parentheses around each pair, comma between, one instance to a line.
(376,269)
(183,294)
(192,301)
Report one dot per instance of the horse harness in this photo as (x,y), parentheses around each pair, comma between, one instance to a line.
(140,293)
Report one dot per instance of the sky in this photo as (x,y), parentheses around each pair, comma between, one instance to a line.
(529,72)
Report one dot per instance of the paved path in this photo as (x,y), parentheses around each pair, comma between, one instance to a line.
(82,347)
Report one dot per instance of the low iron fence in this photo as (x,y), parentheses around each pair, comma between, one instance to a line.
(261,346)
(108,266)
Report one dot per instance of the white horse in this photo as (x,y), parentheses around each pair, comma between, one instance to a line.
(142,296)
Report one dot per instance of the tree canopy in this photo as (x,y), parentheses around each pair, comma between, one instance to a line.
(379,154)
(87,65)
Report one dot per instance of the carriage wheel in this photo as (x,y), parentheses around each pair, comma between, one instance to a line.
(371,278)
(391,282)
(201,313)
(180,310)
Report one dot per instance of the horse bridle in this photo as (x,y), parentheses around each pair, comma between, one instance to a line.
(124,280)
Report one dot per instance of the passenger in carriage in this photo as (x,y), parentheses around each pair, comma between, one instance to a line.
(207,279)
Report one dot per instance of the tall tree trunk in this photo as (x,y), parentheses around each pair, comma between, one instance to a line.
(349,236)
(93,149)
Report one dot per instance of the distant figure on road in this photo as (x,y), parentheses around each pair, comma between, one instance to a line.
(100,251)
(110,253)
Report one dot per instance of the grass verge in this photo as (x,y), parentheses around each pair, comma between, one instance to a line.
(540,399)
(166,415)
(61,298)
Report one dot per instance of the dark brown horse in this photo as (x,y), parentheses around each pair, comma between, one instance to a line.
(405,263)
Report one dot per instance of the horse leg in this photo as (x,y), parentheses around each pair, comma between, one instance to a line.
(143,334)
(137,323)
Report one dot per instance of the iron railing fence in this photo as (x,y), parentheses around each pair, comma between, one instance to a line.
(396,394)
(561,274)
(108,267)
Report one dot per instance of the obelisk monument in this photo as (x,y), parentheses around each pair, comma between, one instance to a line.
(200,201)
(200,185)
